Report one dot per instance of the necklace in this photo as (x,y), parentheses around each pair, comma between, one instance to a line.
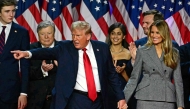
(112,51)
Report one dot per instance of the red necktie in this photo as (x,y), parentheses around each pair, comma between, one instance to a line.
(89,77)
(2,39)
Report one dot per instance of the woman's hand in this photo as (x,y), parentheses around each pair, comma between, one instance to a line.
(120,69)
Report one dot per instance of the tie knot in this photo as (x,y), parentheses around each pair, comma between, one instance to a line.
(84,49)
(3,27)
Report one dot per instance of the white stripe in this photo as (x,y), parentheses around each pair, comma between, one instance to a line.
(113,19)
(174,30)
(141,32)
(108,19)
(131,28)
(45,16)
(66,28)
(140,29)
(75,14)
(14,20)
(70,9)
(86,14)
(185,18)
(37,6)
(28,16)
(145,7)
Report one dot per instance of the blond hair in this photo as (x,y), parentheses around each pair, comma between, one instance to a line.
(170,54)
(81,25)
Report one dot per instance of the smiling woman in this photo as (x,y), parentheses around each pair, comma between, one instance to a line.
(156,65)
(119,51)
(120,56)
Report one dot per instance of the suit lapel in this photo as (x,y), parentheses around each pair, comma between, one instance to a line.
(97,54)
(11,41)
(154,57)
(11,38)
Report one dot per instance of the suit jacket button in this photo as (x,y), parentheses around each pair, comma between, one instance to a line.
(153,69)
(164,70)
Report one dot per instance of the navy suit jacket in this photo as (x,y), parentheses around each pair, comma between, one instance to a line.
(144,40)
(185,71)
(68,58)
(12,83)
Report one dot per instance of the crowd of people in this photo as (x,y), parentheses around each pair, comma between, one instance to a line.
(150,73)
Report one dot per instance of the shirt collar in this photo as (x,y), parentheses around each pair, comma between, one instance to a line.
(51,46)
(89,46)
(7,25)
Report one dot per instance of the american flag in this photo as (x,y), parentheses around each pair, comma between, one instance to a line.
(101,14)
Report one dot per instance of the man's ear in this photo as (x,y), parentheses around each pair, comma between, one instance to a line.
(88,36)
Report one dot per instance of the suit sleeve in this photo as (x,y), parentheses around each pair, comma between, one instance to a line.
(134,78)
(185,61)
(129,68)
(24,63)
(178,85)
(35,70)
(46,53)
(174,43)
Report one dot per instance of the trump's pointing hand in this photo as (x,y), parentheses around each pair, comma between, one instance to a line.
(20,54)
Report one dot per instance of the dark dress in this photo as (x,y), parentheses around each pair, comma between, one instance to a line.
(122,82)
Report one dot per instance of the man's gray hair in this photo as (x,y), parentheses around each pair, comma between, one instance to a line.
(45,24)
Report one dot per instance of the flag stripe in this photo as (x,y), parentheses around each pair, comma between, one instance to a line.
(97,12)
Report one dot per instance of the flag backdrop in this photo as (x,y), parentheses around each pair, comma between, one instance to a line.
(101,14)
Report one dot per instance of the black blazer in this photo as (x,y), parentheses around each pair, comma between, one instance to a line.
(39,86)
(67,56)
(11,82)
(185,71)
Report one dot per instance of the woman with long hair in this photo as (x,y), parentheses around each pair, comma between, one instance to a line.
(156,77)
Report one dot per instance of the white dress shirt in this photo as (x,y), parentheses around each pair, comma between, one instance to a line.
(81,77)
(7,30)
(44,72)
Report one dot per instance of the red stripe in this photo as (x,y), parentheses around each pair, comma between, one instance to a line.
(172,37)
(44,5)
(24,23)
(59,26)
(103,25)
(35,12)
(119,18)
(78,7)
(67,16)
(184,31)
(93,36)
(140,22)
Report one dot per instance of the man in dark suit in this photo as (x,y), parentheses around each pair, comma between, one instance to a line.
(42,72)
(185,71)
(13,85)
(71,86)
(148,18)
